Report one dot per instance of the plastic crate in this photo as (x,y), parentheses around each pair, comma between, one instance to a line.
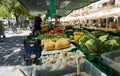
(110,60)
(28,53)
(30,36)
(29,62)
(31,44)
(86,66)
(32,47)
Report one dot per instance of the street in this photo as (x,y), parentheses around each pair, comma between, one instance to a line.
(12,49)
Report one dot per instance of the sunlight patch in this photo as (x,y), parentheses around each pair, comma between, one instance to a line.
(19,44)
(7,56)
(17,50)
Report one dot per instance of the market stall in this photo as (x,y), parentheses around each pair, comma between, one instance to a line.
(72,48)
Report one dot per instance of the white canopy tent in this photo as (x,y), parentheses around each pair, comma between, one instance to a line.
(109,13)
(97,15)
(103,14)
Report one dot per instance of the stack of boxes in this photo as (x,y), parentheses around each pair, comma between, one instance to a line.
(32,52)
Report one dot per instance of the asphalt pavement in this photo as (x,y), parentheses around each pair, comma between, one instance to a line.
(12,49)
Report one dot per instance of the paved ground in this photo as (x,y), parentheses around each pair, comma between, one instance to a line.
(12,50)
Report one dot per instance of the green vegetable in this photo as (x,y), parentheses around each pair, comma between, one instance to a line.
(111,45)
(90,45)
(86,32)
(85,37)
(93,45)
(117,31)
(99,42)
(87,42)
(68,32)
(69,27)
(98,33)
(103,38)
(50,36)
(117,38)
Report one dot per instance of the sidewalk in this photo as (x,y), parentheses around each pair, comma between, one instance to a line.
(12,49)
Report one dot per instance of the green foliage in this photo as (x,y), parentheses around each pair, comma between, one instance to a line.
(4,11)
(8,7)
(20,10)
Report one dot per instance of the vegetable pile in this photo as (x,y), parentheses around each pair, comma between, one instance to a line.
(117,31)
(76,36)
(57,30)
(50,36)
(99,42)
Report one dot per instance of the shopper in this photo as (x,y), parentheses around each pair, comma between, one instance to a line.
(37,24)
(13,25)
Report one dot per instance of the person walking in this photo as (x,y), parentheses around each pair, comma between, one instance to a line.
(13,25)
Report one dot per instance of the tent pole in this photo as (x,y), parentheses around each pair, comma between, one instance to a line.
(55,12)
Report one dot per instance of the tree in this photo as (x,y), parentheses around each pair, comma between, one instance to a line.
(4,12)
(19,10)
(8,7)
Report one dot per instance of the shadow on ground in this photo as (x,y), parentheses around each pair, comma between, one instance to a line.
(12,51)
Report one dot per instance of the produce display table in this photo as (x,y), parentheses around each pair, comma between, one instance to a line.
(92,52)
